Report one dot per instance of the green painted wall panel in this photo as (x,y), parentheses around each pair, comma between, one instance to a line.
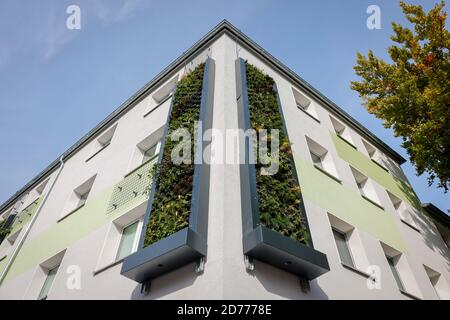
(348,205)
(366,166)
(65,233)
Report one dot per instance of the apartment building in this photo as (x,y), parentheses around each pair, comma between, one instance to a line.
(97,223)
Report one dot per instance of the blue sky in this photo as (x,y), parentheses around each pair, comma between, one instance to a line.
(56,84)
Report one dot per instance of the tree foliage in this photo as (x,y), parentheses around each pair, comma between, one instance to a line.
(411,94)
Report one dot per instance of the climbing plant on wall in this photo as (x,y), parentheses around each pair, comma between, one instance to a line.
(171,204)
(279,194)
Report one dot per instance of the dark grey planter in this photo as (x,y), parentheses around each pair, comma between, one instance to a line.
(188,244)
(260,242)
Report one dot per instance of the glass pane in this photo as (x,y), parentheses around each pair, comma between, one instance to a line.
(48,284)
(127,241)
(343,249)
(150,153)
(316,160)
(395,273)
(83,199)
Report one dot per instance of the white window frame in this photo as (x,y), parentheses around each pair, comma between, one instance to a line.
(354,243)
(73,202)
(102,142)
(327,162)
(366,187)
(137,238)
(403,211)
(342,131)
(305,104)
(375,155)
(108,254)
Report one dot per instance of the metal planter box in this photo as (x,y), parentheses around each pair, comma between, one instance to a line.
(260,242)
(188,244)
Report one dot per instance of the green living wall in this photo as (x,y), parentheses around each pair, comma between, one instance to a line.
(279,195)
(171,206)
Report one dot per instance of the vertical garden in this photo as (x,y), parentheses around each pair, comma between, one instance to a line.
(171,205)
(279,195)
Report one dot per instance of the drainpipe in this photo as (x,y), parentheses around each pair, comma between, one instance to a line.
(30,225)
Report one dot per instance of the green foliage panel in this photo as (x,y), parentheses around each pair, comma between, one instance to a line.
(279,195)
(171,205)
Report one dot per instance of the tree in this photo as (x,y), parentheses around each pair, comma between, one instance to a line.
(411,95)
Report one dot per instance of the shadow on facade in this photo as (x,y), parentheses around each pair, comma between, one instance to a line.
(169,283)
(284,284)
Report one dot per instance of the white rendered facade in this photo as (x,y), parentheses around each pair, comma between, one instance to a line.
(86,240)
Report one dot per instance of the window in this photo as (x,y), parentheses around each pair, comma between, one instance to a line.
(392,265)
(403,211)
(82,192)
(439,284)
(102,142)
(83,197)
(342,131)
(321,158)
(151,152)
(349,245)
(48,283)
(146,150)
(316,160)
(162,95)
(375,155)
(343,249)
(365,187)
(403,277)
(122,238)
(78,198)
(129,240)
(304,104)
(166,90)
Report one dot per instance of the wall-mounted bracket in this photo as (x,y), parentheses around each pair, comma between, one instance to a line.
(146,287)
(249,263)
(304,285)
(200,267)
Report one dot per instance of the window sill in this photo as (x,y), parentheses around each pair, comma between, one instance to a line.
(328,174)
(309,115)
(410,225)
(361,273)
(108,266)
(380,165)
(158,105)
(347,142)
(98,151)
(70,213)
(373,202)
(409,295)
